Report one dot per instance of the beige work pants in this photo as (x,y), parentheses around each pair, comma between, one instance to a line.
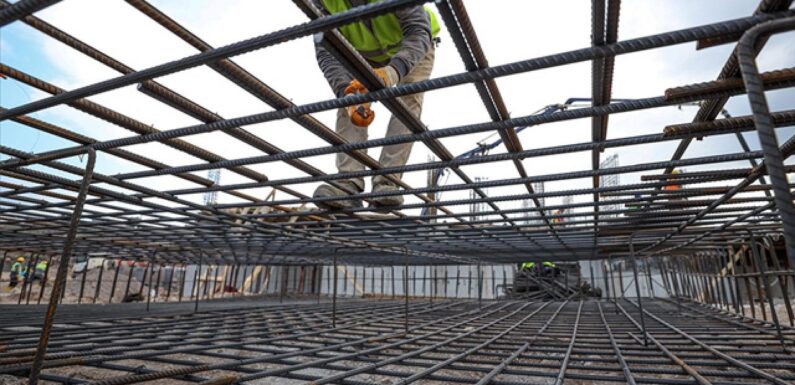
(392,155)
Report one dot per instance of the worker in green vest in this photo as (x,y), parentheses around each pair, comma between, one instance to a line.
(400,46)
(529,267)
(17,272)
(39,271)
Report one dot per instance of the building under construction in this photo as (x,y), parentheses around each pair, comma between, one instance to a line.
(121,265)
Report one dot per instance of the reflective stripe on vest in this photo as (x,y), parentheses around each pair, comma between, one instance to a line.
(380,40)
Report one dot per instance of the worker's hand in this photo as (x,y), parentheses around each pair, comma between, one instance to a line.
(355,87)
(361,114)
(388,75)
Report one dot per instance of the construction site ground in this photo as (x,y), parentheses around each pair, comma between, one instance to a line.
(257,340)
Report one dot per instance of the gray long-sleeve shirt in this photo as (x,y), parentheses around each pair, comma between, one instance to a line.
(417,41)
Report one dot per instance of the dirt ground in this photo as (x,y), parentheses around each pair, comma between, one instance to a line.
(33,291)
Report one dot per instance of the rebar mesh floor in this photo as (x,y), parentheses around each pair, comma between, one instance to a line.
(570,342)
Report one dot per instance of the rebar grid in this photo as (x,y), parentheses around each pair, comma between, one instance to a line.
(50,207)
(502,343)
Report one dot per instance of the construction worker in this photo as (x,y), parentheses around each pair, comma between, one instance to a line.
(400,46)
(673,187)
(17,272)
(546,266)
(39,271)
(558,219)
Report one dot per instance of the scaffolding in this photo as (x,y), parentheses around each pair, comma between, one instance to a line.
(720,253)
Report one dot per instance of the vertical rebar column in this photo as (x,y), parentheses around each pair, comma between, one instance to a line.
(747,282)
(424,281)
(181,283)
(63,266)
(196,283)
(149,287)
(504,281)
(170,282)
(355,275)
(433,285)
(406,296)
(224,281)
(44,280)
(457,280)
(205,292)
(27,281)
(143,280)
(215,281)
(99,281)
(774,160)
(26,277)
(480,285)
(734,288)
(115,280)
(3,264)
(30,289)
(783,278)
(493,278)
(285,281)
(334,295)
(318,281)
(83,280)
(637,289)
(647,261)
(762,266)
(129,280)
(607,276)
(345,281)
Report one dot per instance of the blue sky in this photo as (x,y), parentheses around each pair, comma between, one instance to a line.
(531,29)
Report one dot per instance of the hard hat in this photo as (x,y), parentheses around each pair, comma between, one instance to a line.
(20,259)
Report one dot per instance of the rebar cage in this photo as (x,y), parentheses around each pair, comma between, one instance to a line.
(52,204)
(125,217)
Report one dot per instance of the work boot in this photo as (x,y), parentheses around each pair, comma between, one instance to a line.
(327,190)
(391,200)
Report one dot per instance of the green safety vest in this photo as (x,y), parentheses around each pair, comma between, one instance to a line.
(41,266)
(380,40)
(17,267)
(530,265)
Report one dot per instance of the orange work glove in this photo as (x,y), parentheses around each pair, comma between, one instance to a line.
(361,114)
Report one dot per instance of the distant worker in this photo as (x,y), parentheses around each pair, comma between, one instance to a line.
(40,271)
(400,46)
(672,187)
(17,272)
(546,267)
(557,213)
